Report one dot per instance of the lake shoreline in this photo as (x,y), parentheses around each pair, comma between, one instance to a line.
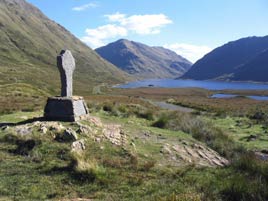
(186,83)
(227,96)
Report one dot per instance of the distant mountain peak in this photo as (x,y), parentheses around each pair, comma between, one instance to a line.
(144,61)
(122,40)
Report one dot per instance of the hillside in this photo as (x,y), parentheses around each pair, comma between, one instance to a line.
(144,61)
(128,148)
(30,43)
(255,70)
(234,57)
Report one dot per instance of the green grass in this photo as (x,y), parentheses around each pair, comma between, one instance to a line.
(19,116)
(241,128)
(114,173)
(21,97)
(109,172)
(138,169)
(101,173)
(28,55)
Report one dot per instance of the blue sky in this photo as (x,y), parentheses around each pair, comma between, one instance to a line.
(189,27)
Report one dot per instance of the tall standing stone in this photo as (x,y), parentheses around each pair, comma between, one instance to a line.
(66,65)
(67,107)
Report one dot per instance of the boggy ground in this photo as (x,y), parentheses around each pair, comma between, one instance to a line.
(130,149)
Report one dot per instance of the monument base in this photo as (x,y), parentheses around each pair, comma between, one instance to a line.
(65,108)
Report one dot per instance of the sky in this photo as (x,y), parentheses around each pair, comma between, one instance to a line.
(191,28)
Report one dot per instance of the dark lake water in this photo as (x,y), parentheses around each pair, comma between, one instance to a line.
(261,98)
(211,85)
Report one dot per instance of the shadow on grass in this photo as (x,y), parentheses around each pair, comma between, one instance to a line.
(23,122)
(76,177)
(2,125)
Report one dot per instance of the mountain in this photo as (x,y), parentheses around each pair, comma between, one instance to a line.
(144,61)
(241,60)
(254,70)
(29,44)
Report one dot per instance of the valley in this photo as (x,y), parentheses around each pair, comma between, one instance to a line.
(138,149)
(127,120)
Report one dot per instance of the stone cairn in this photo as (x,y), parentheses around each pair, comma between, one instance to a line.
(65,107)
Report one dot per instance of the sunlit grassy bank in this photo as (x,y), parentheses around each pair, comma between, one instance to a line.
(156,154)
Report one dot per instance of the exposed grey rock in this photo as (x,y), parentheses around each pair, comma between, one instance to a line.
(262,155)
(23,130)
(55,126)
(66,65)
(78,145)
(166,149)
(94,121)
(67,136)
(97,139)
(84,129)
(115,134)
(43,129)
(194,154)
(46,126)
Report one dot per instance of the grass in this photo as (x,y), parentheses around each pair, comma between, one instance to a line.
(244,131)
(38,167)
(200,129)
(28,55)
(138,169)
(239,106)
(21,97)
(97,174)
(200,100)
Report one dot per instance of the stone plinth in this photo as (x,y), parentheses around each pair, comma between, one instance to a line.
(65,108)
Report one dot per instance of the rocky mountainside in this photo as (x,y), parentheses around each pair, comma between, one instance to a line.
(144,61)
(241,60)
(30,43)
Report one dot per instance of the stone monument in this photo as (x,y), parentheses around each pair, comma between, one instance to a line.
(65,107)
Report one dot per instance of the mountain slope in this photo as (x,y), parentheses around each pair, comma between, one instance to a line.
(144,61)
(30,43)
(255,70)
(224,61)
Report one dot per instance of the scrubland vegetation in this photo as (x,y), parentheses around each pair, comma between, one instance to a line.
(39,167)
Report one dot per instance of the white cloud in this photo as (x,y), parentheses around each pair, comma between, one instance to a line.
(96,37)
(85,6)
(123,25)
(141,24)
(117,17)
(190,52)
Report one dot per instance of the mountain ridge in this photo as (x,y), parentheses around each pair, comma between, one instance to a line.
(144,61)
(227,60)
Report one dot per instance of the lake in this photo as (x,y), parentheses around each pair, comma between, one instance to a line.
(261,98)
(210,85)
